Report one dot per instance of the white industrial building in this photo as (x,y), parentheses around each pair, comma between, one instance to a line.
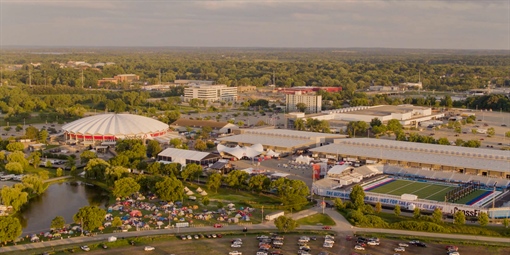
(184,157)
(279,140)
(454,159)
(313,102)
(211,93)
(406,114)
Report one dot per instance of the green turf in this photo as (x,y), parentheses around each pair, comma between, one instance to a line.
(470,197)
(423,190)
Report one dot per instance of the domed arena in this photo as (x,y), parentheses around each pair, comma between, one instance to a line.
(110,127)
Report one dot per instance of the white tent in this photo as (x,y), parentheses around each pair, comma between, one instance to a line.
(271,153)
(203,193)
(112,239)
(240,152)
(303,160)
(199,190)
(189,193)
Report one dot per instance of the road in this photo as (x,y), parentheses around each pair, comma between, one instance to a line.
(342,227)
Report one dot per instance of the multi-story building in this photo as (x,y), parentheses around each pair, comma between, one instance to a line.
(313,102)
(210,93)
(127,77)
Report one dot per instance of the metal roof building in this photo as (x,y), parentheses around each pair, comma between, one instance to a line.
(420,155)
(185,157)
(279,140)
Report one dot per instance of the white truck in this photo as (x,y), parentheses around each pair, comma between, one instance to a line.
(273,216)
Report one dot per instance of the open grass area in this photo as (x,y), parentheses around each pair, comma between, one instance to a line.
(316,219)
(423,190)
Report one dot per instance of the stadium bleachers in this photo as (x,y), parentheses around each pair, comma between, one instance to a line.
(446,176)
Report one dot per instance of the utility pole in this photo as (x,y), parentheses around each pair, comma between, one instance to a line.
(323,205)
(29,77)
(82,84)
(262,214)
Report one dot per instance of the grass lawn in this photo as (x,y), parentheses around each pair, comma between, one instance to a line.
(317,218)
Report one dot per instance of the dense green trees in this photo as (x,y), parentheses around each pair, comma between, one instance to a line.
(292,193)
(10,229)
(459,218)
(14,196)
(357,196)
(90,216)
(125,187)
(169,189)
(214,181)
(284,224)
(58,222)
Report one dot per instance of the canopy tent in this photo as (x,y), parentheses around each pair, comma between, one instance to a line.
(135,213)
(303,160)
(271,153)
(239,152)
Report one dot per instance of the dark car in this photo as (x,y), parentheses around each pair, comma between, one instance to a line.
(104,246)
(420,244)
(131,242)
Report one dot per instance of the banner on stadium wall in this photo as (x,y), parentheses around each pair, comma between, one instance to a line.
(392,201)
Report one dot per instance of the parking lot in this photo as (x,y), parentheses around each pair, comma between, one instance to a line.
(213,246)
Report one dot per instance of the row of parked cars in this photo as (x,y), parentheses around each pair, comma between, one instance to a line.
(362,242)
(200,236)
(270,242)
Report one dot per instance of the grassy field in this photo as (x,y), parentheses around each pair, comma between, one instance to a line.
(423,190)
(317,218)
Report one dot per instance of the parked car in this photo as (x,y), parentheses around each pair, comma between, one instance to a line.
(235,245)
(399,249)
(453,253)
(373,243)
(217,225)
(326,227)
(420,244)
(452,248)
(104,246)
(85,248)
(359,248)
(403,245)
(235,253)
(196,237)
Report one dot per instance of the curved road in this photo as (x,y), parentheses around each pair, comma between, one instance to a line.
(342,227)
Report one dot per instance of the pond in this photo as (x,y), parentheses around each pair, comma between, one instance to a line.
(60,199)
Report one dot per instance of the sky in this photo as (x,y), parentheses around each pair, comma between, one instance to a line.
(428,24)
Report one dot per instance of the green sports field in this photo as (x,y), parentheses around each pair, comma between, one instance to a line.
(423,190)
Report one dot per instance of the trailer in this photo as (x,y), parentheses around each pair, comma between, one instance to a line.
(273,216)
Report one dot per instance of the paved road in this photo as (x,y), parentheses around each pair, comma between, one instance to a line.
(57,179)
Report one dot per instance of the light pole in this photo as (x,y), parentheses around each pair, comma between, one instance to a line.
(262,214)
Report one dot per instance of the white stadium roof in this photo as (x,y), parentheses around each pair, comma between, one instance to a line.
(455,156)
(116,125)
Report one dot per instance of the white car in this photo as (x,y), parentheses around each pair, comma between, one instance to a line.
(149,248)
(403,245)
(399,249)
(359,248)
(235,245)
(373,243)
(235,253)
(327,245)
(454,253)
(85,248)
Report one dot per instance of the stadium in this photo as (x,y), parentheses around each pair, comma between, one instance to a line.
(419,188)
(110,127)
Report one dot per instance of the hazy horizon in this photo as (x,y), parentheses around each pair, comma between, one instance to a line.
(290,24)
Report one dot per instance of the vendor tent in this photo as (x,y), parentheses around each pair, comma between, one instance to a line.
(135,213)
(303,160)
(271,153)
(112,239)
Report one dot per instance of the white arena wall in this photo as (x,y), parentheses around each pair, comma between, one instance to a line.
(390,200)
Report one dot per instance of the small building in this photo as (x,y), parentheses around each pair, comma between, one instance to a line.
(185,157)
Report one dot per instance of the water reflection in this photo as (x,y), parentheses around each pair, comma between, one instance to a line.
(61,199)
